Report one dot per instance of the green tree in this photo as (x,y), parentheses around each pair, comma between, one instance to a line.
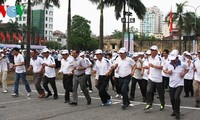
(80,33)
(136,5)
(188,27)
(2,1)
(179,17)
(117,34)
(28,31)
(53,45)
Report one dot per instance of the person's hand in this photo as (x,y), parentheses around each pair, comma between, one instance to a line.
(151,65)
(169,72)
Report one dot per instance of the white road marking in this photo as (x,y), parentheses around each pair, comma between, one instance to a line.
(115,101)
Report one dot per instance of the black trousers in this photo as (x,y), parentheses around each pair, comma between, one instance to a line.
(143,87)
(52,82)
(88,81)
(68,85)
(150,90)
(117,85)
(103,83)
(165,82)
(188,87)
(175,98)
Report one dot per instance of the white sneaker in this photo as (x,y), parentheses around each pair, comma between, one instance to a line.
(90,91)
(28,94)
(117,96)
(121,96)
(4,91)
(81,91)
(14,95)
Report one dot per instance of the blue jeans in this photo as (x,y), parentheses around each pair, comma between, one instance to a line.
(16,84)
(124,83)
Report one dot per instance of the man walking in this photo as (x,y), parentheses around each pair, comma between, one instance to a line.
(124,67)
(79,78)
(66,69)
(102,67)
(50,74)
(20,72)
(155,79)
(37,65)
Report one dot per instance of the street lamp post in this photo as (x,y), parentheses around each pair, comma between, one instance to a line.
(195,23)
(128,26)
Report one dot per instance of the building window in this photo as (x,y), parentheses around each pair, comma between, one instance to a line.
(24,18)
(51,19)
(45,31)
(50,32)
(46,18)
(20,18)
(50,12)
(50,26)
(16,19)
(113,46)
(46,12)
(46,25)
(25,11)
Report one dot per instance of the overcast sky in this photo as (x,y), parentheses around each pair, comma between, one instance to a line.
(89,11)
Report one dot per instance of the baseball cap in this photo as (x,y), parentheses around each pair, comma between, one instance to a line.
(154,47)
(65,52)
(45,50)
(122,50)
(148,52)
(98,51)
(173,55)
(135,55)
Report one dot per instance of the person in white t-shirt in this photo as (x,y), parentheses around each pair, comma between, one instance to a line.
(196,83)
(50,73)
(37,65)
(20,72)
(4,68)
(188,78)
(124,67)
(165,60)
(176,70)
(155,79)
(66,69)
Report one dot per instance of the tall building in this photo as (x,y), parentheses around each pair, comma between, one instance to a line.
(152,22)
(41,19)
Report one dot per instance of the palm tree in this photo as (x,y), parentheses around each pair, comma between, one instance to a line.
(101,7)
(2,1)
(69,26)
(136,5)
(47,3)
(189,18)
(179,17)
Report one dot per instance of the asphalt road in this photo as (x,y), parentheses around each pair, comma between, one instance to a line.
(33,108)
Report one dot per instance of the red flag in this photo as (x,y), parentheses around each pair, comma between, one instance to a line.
(170,21)
(3,37)
(8,36)
(20,37)
(15,37)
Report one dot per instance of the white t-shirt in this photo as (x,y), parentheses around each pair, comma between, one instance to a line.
(197,72)
(165,62)
(145,74)
(18,60)
(190,74)
(124,66)
(175,80)
(49,72)
(87,62)
(66,66)
(36,64)
(137,72)
(155,74)
(4,64)
(102,67)
(59,57)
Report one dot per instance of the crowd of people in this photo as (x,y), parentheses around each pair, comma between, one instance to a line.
(154,71)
